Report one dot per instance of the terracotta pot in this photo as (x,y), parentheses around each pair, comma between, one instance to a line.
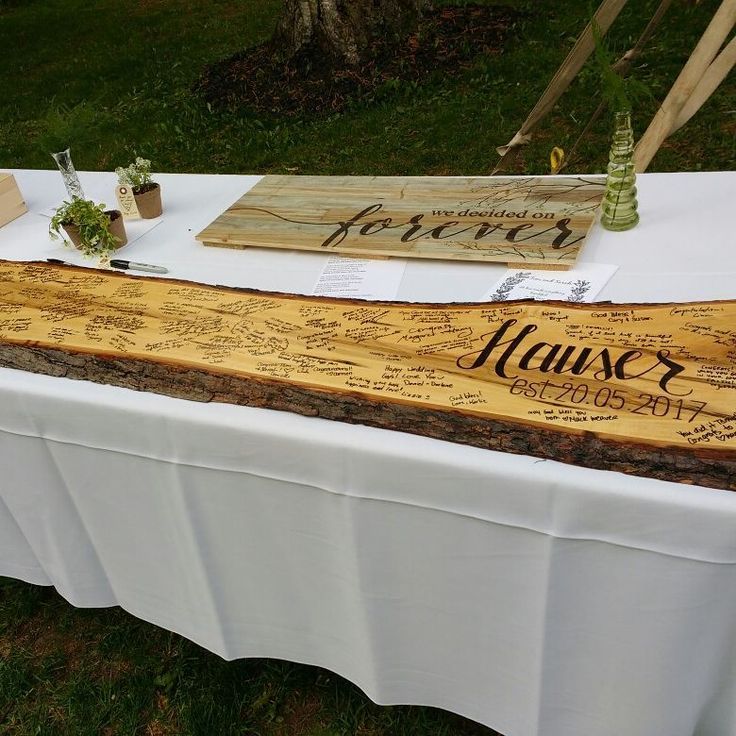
(117,228)
(149,203)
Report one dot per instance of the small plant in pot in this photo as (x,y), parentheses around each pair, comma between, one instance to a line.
(147,193)
(89,226)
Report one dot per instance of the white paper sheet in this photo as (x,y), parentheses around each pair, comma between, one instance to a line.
(360,278)
(580,284)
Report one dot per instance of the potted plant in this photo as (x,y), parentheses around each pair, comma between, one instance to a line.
(89,226)
(147,192)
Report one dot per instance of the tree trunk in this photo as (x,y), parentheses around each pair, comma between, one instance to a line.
(343,33)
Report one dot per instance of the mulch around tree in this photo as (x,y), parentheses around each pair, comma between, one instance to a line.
(447,42)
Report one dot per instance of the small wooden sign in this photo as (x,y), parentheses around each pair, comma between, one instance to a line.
(647,389)
(521,221)
(11,200)
(126,201)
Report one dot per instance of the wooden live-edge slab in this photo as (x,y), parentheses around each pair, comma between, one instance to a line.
(524,221)
(11,200)
(644,389)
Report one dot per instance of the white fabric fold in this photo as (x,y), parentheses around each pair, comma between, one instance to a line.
(539,598)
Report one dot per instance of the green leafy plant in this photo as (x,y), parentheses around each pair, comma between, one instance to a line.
(137,176)
(618,91)
(93,224)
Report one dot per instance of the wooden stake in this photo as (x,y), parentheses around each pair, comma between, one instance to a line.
(573,63)
(621,67)
(715,74)
(690,77)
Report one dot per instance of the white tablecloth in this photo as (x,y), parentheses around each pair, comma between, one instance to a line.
(538,598)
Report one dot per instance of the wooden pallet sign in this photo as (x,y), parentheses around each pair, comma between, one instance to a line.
(533,222)
(11,200)
(644,389)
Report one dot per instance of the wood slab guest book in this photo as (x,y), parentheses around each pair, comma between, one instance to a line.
(537,222)
(644,389)
(11,200)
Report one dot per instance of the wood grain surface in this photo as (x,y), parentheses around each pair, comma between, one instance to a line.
(11,200)
(645,389)
(517,220)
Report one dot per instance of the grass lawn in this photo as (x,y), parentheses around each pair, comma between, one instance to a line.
(117,79)
(82,672)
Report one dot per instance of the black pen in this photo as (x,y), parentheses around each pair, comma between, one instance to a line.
(58,262)
(133,266)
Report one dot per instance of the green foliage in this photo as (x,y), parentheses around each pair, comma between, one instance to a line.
(613,84)
(93,223)
(618,91)
(86,672)
(449,125)
(137,176)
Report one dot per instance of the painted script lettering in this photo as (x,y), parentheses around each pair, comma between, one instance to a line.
(415,230)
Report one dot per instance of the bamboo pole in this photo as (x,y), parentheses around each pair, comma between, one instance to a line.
(573,63)
(685,84)
(715,74)
(621,67)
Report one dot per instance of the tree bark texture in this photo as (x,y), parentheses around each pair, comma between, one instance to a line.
(664,463)
(343,32)
(643,389)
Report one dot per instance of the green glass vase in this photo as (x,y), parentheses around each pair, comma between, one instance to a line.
(619,209)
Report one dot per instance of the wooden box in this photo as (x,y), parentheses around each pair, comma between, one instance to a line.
(11,201)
